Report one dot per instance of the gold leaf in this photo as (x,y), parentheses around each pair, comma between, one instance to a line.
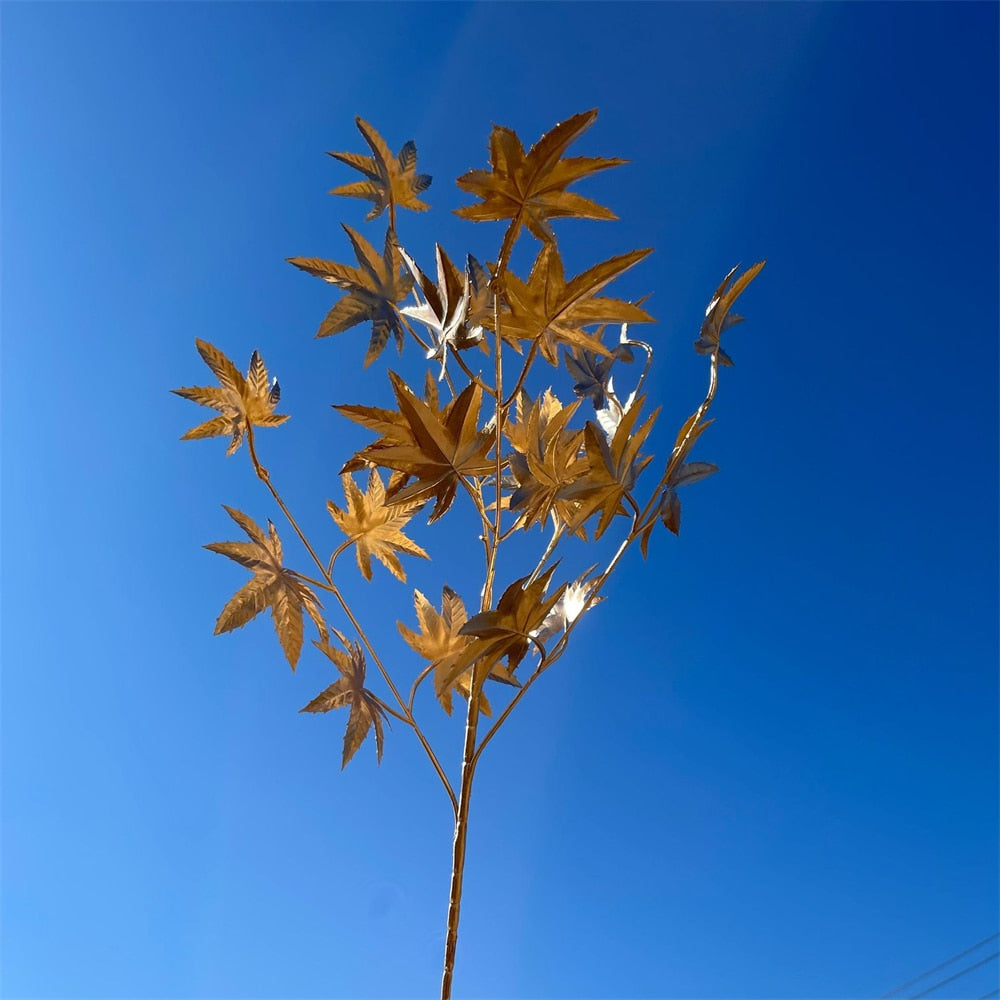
(435,447)
(272,587)
(243,402)
(375,527)
(532,188)
(374,287)
(389,179)
(439,641)
(548,310)
(350,691)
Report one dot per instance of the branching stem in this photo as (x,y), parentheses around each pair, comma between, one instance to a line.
(264,476)
(492,543)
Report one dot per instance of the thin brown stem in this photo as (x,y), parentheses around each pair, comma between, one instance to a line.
(461,838)
(470,374)
(528,361)
(549,549)
(419,680)
(502,718)
(477,498)
(265,478)
(343,547)
(427,351)
(491,540)
(386,707)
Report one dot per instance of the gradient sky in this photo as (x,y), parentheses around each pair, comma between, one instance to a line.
(767,769)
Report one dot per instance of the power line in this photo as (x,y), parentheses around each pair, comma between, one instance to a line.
(958,975)
(992,993)
(938,968)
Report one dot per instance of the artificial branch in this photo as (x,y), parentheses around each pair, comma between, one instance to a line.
(546,462)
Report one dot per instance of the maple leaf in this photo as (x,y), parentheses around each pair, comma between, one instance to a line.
(531,189)
(591,372)
(439,642)
(569,607)
(350,691)
(481,300)
(436,447)
(374,287)
(551,311)
(388,179)
(375,527)
(272,587)
(546,459)
(718,317)
(507,631)
(445,309)
(669,509)
(242,401)
(613,467)
(679,473)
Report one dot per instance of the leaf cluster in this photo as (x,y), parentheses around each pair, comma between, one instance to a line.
(523,460)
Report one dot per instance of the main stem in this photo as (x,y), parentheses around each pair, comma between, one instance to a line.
(469,755)
(458,848)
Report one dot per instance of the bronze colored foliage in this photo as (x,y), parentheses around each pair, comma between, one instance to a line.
(350,692)
(374,288)
(519,458)
(389,180)
(272,587)
(549,312)
(242,402)
(375,526)
(531,188)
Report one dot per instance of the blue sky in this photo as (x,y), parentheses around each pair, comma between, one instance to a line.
(768,767)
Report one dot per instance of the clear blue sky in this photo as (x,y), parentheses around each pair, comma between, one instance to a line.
(769,767)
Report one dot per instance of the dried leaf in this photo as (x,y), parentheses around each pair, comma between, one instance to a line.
(349,691)
(532,188)
(613,468)
(388,178)
(439,642)
(718,317)
(547,460)
(445,308)
(669,509)
(375,527)
(272,587)
(569,607)
(374,287)
(435,447)
(548,310)
(242,402)
(505,632)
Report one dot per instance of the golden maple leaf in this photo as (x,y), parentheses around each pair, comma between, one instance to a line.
(546,459)
(718,317)
(350,691)
(531,189)
(389,180)
(242,401)
(375,527)
(436,447)
(680,472)
(576,598)
(445,310)
(374,287)
(507,631)
(391,425)
(550,311)
(614,464)
(440,643)
(272,587)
